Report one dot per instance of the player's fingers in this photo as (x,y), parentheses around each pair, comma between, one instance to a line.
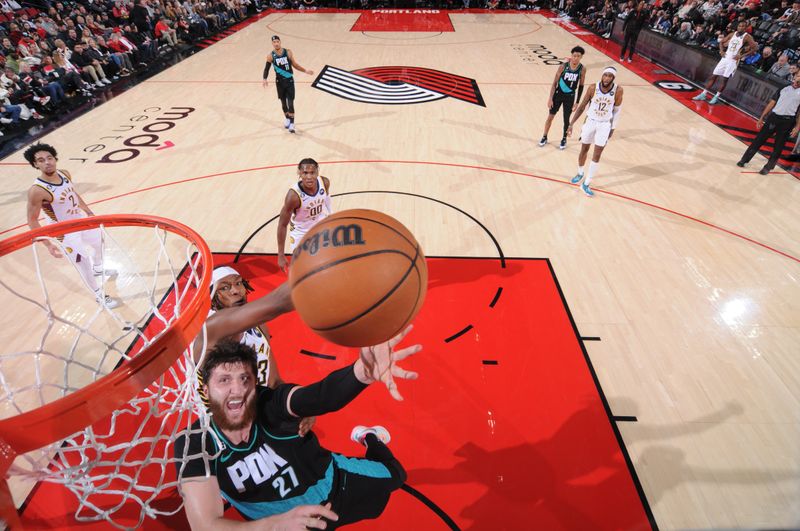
(315,523)
(399,372)
(406,352)
(399,337)
(325,512)
(392,387)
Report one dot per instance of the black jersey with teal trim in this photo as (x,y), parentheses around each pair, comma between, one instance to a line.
(569,80)
(283,65)
(276,469)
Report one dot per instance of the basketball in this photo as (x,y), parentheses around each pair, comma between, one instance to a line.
(358,278)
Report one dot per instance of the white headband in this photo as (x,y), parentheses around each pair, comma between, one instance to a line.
(220,273)
(610,70)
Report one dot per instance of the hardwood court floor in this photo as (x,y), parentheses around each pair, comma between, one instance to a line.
(685,267)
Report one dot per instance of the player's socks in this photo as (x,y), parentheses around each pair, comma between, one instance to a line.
(590,174)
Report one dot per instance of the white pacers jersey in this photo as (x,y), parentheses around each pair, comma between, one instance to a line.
(734,45)
(64,203)
(313,208)
(602,105)
(256,340)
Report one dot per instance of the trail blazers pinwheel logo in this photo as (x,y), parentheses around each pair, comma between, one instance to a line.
(397,85)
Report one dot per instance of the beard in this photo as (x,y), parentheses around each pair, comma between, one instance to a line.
(220,416)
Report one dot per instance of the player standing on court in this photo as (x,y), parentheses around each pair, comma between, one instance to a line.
(283,61)
(604,100)
(53,193)
(306,203)
(736,45)
(569,80)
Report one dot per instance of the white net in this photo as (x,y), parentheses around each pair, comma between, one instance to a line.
(70,322)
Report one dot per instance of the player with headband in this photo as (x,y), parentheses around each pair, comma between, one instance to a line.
(604,100)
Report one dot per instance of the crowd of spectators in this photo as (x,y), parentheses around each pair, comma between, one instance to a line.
(55,55)
(774,25)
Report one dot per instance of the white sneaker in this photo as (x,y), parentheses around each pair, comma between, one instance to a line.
(99,84)
(107,302)
(286,123)
(107,272)
(291,128)
(106,81)
(5,120)
(360,432)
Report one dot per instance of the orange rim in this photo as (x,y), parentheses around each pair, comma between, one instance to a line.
(67,415)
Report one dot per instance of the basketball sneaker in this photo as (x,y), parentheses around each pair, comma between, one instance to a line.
(714,100)
(359,433)
(107,302)
(563,144)
(578,178)
(630,59)
(700,97)
(543,141)
(587,190)
(286,123)
(291,128)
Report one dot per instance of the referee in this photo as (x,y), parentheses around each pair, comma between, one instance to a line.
(780,118)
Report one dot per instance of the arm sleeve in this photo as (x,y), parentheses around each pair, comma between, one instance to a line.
(266,69)
(580,94)
(331,393)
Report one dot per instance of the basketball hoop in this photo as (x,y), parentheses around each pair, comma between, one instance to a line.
(73,429)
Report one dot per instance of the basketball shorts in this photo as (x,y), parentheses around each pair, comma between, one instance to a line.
(292,239)
(285,89)
(594,132)
(85,244)
(725,68)
(567,100)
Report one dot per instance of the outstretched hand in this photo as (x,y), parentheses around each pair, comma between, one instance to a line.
(282,263)
(379,363)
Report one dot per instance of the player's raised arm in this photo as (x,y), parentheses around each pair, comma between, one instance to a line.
(231,321)
(376,363)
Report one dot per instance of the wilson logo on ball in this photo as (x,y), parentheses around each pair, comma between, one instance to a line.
(336,237)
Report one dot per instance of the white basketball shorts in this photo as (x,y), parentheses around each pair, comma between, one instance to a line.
(725,68)
(594,132)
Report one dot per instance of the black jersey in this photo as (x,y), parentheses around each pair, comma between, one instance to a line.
(569,80)
(276,469)
(283,66)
